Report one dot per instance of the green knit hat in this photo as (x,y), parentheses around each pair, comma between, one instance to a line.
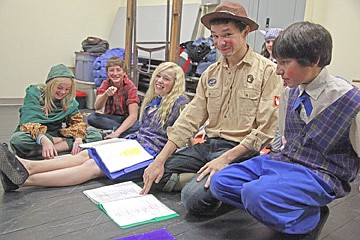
(59,70)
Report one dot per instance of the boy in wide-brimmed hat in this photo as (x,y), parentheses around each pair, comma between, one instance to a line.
(236,95)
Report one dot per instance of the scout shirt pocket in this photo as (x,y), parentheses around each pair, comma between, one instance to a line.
(248,101)
(214,100)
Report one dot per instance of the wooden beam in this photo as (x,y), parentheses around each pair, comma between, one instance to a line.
(175,30)
(129,35)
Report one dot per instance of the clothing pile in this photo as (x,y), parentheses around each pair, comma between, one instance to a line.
(196,56)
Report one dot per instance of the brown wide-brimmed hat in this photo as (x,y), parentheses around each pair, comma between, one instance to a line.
(229,10)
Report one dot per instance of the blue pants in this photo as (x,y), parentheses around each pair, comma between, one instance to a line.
(110,122)
(283,196)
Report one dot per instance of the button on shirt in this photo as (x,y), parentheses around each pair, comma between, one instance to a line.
(323,91)
(239,104)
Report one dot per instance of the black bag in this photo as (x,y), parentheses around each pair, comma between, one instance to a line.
(196,53)
(95,45)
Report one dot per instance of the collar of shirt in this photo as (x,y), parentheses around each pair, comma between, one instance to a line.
(126,79)
(156,102)
(247,59)
(316,86)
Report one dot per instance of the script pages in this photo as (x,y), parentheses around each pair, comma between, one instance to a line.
(126,207)
(119,153)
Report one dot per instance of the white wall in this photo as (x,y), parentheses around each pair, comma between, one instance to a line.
(342,20)
(36,34)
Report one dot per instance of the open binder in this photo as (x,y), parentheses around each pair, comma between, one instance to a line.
(124,204)
(118,157)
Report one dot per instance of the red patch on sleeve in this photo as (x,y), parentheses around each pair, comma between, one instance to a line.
(276,101)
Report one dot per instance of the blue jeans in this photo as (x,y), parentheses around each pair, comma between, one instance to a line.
(110,122)
(199,200)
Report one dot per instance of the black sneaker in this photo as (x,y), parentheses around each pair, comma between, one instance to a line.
(324,214)
(314,234)
(12,167)
(7,184)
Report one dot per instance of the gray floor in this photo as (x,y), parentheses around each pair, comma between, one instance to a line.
(66,213)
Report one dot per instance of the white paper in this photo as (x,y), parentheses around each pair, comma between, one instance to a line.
(136,210)
(125,206)
(113,192)
(119,154)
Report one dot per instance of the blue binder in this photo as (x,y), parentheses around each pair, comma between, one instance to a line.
(125,173)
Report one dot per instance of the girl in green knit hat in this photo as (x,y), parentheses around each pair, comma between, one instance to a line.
(50,121)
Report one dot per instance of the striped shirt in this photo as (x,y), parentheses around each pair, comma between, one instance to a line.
(151,135)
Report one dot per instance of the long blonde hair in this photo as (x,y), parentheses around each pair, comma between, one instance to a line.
(168,100)
(46,94)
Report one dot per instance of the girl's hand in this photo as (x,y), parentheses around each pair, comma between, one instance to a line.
(112,135)
(76,146)
(48,148)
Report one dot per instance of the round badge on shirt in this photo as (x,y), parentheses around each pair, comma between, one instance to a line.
(212,82)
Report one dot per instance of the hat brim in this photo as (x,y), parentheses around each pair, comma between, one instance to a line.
(206,19)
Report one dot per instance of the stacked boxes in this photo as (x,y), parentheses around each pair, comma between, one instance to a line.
(84,76)
(84,69)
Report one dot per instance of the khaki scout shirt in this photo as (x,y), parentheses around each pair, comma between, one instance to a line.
(241,105)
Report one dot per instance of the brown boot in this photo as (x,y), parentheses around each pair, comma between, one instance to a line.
(177,181)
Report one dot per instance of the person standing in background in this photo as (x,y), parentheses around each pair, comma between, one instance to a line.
(269,37)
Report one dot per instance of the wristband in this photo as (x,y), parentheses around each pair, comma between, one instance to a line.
(38,139)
